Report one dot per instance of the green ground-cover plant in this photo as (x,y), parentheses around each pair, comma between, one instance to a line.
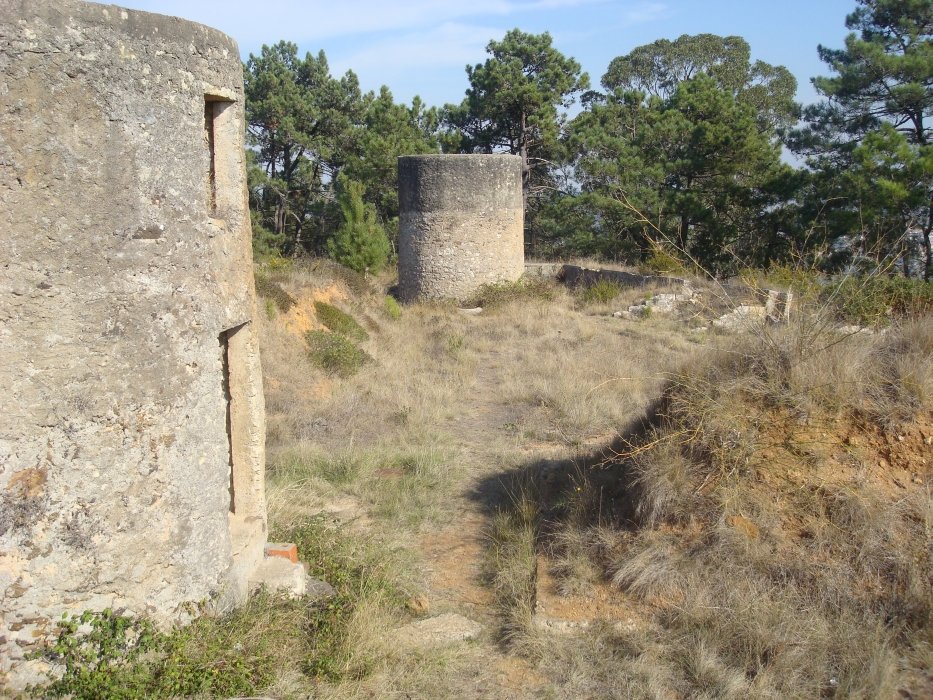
(339,321)
(274,292)
(335,352)
(876,299)
(603,292)
(113,655)
(496,294)
(392,308)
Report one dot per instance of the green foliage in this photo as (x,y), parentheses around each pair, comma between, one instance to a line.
(360,243)
(513,106)
(876,299)
(392,308)
(300,121)
(868,142)
(497,294)
(273,291)
(109,655)
(658,68)
(805,283)
(662,261)
(358,574)
(602,292)
(339,321)
(694,163)
(389,130)
(335,353)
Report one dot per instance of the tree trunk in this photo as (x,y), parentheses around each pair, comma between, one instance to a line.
(928,249)
(526,181)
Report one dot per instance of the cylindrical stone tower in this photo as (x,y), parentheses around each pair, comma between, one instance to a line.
(132,432)
(461,221)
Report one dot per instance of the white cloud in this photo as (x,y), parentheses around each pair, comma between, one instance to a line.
(647,12)
(315,20)
(449,44)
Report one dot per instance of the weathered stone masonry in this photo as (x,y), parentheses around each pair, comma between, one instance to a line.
(461,220)
(131,432)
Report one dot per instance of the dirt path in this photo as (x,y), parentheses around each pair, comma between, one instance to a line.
(454,555)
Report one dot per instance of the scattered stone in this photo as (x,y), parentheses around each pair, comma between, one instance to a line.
(658,304)
(476,311)
(436,631)
(559,626)
(316,589)
(418,604)
(280,574)
(853,330)
(742,318)
(778,306)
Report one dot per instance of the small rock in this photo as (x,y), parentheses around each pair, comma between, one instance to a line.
(418,604)
(741,317)
(316,589)
(436,631)
(472,312)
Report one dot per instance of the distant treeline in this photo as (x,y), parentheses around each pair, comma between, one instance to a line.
(677,156)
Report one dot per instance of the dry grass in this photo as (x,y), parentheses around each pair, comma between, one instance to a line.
(744,517)
(775,558)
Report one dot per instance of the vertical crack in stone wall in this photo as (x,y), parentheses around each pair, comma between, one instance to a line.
(126,256)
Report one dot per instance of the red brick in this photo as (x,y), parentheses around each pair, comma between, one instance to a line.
(286,550)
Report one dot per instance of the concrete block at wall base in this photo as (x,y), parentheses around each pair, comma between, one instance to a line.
(280,574)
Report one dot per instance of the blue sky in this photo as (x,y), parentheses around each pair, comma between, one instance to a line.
(422,46)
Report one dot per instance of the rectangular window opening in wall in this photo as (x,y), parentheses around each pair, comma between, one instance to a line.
(234,382)
(219,147)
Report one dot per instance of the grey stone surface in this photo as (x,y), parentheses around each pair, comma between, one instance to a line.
(460,224)
(131,437)
(658,304)
(573,275)
(742,318)
(439,630)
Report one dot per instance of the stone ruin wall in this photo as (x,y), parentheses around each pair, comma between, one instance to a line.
(461,224)
(131,436)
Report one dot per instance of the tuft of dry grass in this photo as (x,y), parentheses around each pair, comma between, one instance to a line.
(742,515)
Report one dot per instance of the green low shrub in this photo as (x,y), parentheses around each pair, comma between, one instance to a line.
(392,308)
(335,353)
(496,294)
(273,291)
(876,299)
(602,292)
(339,321)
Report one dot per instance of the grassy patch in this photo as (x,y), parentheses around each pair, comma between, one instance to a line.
(400,485)
(512,558)
(498,294)
(335,353)
(271,645)
(392,308)
(603,292)
(770,562)
(877,299)
(273,291)
(339,321)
